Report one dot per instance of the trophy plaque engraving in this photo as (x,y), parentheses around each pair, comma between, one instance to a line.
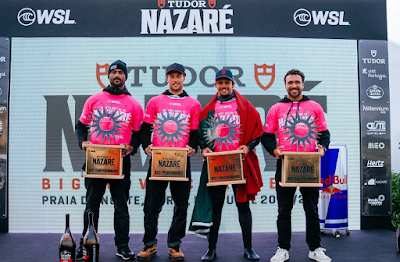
(104,161)
(169,163)
(225,168)
(301,169)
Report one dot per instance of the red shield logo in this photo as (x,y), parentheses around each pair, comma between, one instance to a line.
(101,70)
(264,72)
(212,3)
(161,3)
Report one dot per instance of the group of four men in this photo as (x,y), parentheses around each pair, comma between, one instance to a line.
(228,122)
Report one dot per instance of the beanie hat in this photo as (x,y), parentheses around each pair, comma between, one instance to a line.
(118,65)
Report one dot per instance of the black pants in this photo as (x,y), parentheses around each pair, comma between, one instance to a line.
(154,201)
(310,197)
(218,199)
(119,189)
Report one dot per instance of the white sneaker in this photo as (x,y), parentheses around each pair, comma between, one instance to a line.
(319,255)
(281,255)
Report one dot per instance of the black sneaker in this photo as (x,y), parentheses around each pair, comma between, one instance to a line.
(125,253)
(81,251)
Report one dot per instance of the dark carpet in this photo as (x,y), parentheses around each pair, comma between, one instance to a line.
(362,245)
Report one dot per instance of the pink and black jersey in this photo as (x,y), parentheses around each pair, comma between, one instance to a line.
(172,118)
(296,124)
(226,125)
(111,118)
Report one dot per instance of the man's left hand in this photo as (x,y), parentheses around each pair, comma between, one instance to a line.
(126,150)
(245,151)
(321,150)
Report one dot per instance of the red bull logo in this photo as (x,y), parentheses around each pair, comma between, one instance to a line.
(334,180)
(331,190)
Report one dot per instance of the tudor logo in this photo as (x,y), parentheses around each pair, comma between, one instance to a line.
(101,70)
(161,3)
(264,72)
(302,17)
(374,53)
(26,16)
(212,3)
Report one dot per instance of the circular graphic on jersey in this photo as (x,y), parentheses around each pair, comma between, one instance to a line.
(221,131)
(105,124)
(301,131)
(170,127)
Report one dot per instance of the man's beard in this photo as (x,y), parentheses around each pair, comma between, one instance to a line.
(121,83)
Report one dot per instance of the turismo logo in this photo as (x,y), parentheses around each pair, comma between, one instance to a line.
(26,17)
(302,17)
(377,127)
(376,201)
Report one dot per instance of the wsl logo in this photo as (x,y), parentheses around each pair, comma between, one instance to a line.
(26,17)
(302,17)
(187,17)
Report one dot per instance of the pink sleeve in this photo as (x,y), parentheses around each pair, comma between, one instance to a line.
(196,116)
(321,122)
(270,122)
(150,111)
(138,117)
(87,111)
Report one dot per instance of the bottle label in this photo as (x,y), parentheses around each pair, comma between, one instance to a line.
(65,256)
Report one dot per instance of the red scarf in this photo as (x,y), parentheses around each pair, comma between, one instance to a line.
(250,128)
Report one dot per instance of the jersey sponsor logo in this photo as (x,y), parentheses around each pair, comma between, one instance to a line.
(302,17)
(266,73)
(27,16)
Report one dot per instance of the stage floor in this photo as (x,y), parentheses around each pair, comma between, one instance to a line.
(360,245)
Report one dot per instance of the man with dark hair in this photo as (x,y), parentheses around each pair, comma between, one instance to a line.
(114,118)
(173,117)
(295,120)
(236,125)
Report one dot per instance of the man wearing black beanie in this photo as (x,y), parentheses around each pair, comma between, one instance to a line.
(114,118)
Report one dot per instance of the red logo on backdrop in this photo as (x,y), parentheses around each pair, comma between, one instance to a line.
(264,70)
(331,190)
(101,70)
(161,3)
(212,3)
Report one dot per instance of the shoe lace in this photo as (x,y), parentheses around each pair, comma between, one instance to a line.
(320,252)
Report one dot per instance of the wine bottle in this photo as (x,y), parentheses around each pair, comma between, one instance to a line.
(67,244)
(91,241)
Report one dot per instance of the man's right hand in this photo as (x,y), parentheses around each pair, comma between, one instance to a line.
(278,152)
(86,144)
(206,150)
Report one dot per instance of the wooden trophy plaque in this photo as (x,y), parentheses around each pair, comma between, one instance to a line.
(104,161)
(301,169)
(225,168)
(169,163)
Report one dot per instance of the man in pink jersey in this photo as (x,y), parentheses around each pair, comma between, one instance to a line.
(114,117)
(229,122)
(299,123)
(173,118)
